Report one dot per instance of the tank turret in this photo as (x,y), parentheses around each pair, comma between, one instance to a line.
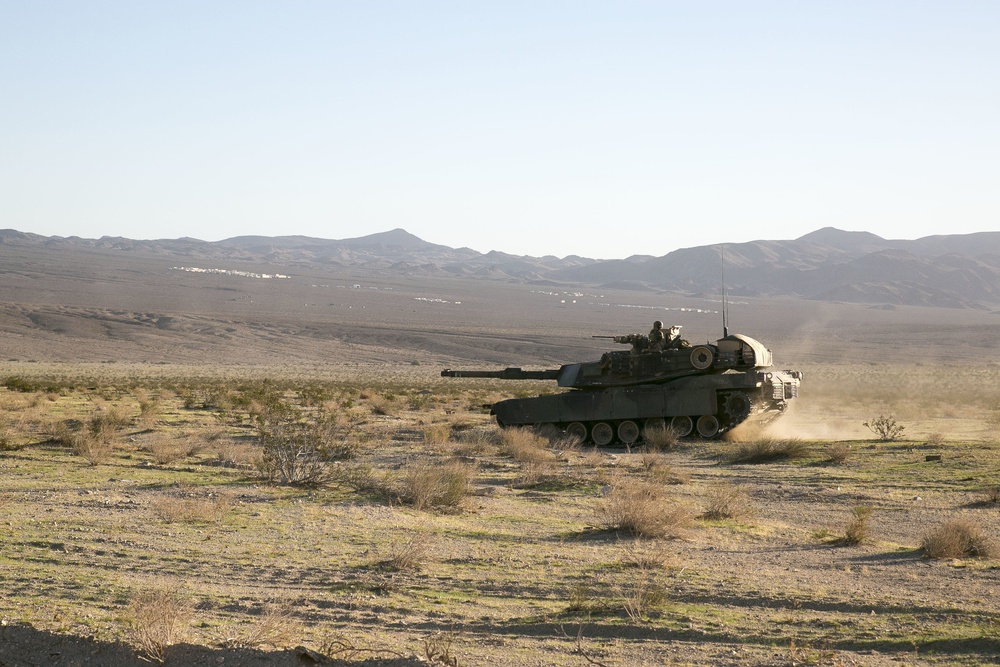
(702,389)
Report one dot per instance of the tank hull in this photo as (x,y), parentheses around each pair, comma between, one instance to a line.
(730,398)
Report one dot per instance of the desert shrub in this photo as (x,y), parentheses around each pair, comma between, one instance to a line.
(838,452)
(858,530)
(26,386)
(765,449)
(409,554)
(382,404)
(314,395)
(275,626)
(644,510)
(437,433)
(885,427)
(659,469)
(638,555)
(536,473)
(525,445)
(8,437)
(167,450)
(62,433)
(957,538)
(477,441)
(644,593)
(438,650)
(95,449)
(362,478)
(297,448)
(159,619)
(210,508)
(149,409)
(583,597)
(426,484)
(659,438)
(727,501)
(232,454)
(105,423)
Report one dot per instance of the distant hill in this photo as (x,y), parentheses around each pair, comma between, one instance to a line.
(958,271)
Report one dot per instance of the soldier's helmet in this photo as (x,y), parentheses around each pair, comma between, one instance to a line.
(657,324)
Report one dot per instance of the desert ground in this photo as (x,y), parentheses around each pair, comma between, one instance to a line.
(141,519)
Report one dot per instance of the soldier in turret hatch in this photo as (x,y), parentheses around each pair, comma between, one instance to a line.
(656,337)
(673,339)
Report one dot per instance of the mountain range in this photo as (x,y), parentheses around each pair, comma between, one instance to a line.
(956,271)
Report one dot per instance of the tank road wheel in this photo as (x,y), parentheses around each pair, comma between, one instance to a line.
(628,432)
(708,426)
(602,434)
(702,357)
(737,407)
(577,431)
(682,426)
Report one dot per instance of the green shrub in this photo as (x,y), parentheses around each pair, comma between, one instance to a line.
(297,448)
(885,427)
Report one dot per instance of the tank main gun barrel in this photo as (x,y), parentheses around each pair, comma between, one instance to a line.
(505,374)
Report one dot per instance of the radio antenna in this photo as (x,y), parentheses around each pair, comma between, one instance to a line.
(725,304)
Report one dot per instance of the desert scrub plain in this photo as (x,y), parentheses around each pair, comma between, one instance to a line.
(165,514)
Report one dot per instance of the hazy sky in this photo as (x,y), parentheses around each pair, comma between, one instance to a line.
(603,129)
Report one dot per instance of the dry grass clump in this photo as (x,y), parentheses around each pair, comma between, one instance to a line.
(765,449)
(408,555)
(167,450)
(659,438)
(858,530)
(643,594)
(728,501)
(381,404)
(159,619)
(525,445)
(276,626)
(660,471)
(95,449)
(638,555)
(957,538)
(231,453)
(838,452)
(210,508)
(106,422)
(430,484)
(8,437)
(150,408)
(477,441)
(644,510)
(438,433)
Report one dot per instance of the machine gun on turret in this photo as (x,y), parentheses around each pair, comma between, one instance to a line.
(638,341)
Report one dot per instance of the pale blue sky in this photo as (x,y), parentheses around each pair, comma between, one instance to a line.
(603,129)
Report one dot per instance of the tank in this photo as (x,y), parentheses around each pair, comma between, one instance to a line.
(698,391)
